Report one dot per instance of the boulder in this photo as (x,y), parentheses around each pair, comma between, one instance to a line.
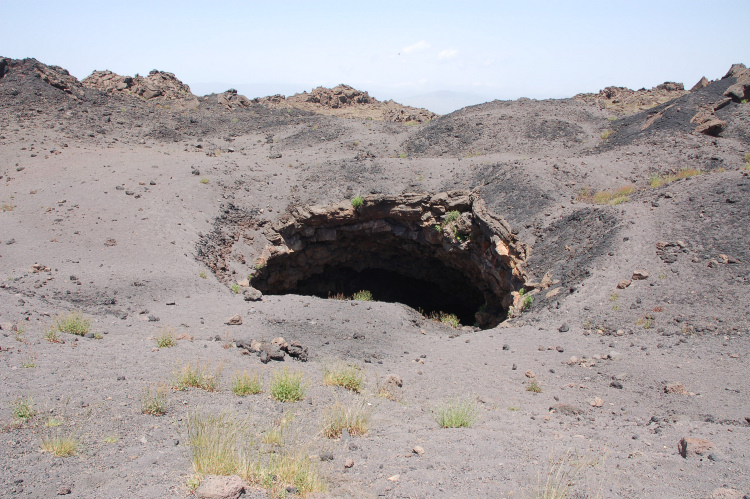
(252,294)
(702,83)
(691,447)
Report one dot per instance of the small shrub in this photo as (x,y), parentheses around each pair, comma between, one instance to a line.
(358,202)
(533,386)
(347,375)
(747,158)
(287,386)
(73,323)
(354,417)
(445,318)
(526,300)
(451,216)
(165,339)
(607,134)
(52,422)
(363,295)
(658,179)
(402,155)
(243,384)
(456,413)
(196,376)
(202,274)
(204,180)
(60,445)
(23,409)
(337,296)
(236,288)
(29,362)
(154,401)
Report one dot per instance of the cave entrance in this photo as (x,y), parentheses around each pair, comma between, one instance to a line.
(436,253)
(449,292)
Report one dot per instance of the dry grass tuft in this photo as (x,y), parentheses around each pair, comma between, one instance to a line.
(658,180)
(154,401)
(196,376)
(612,197)
(354,417)
(564,474)
(349,376)
(60,445)
(165,338)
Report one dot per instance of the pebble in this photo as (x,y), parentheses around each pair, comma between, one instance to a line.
(418,450)
(349,463)
(564,328)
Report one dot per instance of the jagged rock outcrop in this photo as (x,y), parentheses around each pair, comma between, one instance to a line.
(55,76)
(232,100)
(741,90)
(347,102)
(158,85)
(625,101)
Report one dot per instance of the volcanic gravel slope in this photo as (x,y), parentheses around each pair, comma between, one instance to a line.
(109,204)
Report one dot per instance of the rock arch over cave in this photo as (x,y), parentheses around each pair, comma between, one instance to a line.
(444,252)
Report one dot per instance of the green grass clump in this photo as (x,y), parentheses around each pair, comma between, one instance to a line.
(53,336)
(456,413)
(358,202)
(204,180)
(363,295)
(196,376)
(215,442)
(287,386)
(354,417)
(165,339)
(23,409)
(526,300)
(244,384)
(73,323)
(202,274)
(349,376)
(445,318)
(451,216)
(154,401)
(533,386)
(60,445)
(607,134)
(236,288)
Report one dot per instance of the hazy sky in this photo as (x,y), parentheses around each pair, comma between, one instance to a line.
(395,49)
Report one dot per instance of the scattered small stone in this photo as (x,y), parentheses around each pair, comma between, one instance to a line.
(418,450)
(596,402)
(724,493)
(64,490)
(235,320)
(640,275)
(349,463)
(394,379)
(564,328)
(252,294)
(675,388)
(326,455)
(614,355)
(560,349)
(689,446)
(89,335)
(220,487)
(394,478)
(572,360)
(623,284)
(616,384)
(514,367)
(153,318)
(506,347)
(566,409)
(530,374)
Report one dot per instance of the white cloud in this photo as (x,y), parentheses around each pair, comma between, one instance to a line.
(447,54)
(420,45)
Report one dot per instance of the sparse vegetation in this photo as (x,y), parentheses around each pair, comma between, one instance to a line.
(451,216)
(60,444)
(526,300)
(445,318)
(607,134)
(30,361)
(52,422)
(562,476)
(196,376)
(244,384)
(223,445)
(456,413)
(154,401)
(23,409)
(659,180)
(287,386)
(533,386)
(110,439)
(355,417)
(611,197)
(402,155)
(73,323)
(747,161)
(165,338)
(202,274)
(205,180)
(235,288)
(358,202)
(8,207)
(362,295)
(349,376)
